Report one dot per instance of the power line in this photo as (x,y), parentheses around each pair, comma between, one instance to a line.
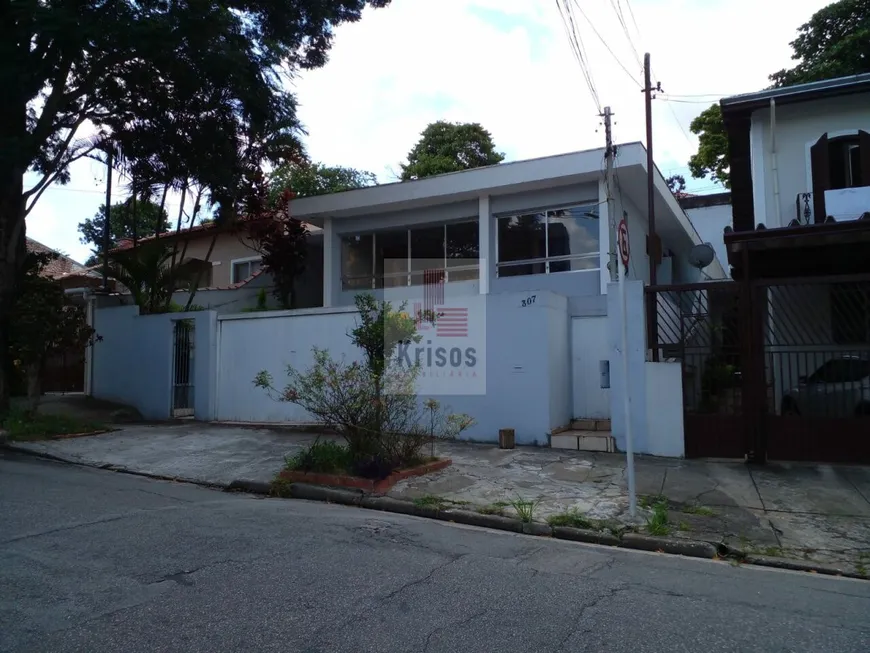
(604,43)
(617,8)
(668,98)
(577,48)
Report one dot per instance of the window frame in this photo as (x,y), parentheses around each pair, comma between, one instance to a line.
(245,259)
(547,259)
(376,280)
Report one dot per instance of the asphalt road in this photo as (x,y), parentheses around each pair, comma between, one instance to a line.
(96,561)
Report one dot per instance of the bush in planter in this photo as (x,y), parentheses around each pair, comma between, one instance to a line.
(373,404)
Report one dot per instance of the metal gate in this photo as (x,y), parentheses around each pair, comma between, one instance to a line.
(182,369)
(699,325)
(816,369)
(772,369)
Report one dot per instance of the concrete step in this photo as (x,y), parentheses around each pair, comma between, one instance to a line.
(581,424)
(579,440)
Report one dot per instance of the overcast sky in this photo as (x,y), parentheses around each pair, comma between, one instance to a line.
(508,65)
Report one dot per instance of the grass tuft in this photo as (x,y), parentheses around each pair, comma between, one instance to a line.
(525,508)
(695,509)
(573,519)
(658,523)
(23,425)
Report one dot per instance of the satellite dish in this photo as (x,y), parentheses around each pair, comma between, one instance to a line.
(700,256)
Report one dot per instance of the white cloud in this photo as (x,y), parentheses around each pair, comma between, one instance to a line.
(506,64)
(420,60)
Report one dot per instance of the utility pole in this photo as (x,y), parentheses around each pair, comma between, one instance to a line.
(653,243)
(609,153)
(107,241)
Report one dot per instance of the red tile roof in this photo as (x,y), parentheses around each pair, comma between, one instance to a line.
(62,266)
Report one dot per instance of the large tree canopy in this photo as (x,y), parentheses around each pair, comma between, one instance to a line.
(834,43)
(308,179)
(712,155)
(450,147)
(183,92)
(128,220)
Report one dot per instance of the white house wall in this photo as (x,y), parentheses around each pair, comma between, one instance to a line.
(528,384)
(710,223)
(798,127)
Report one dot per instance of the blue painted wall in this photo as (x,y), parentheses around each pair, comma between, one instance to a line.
(132,364)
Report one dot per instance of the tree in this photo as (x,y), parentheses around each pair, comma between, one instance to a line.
(834,43)
(676,184)
(712,155)
(281,239)
(44,322)
(183,90)
(308,179)
(450,147)
(129,220)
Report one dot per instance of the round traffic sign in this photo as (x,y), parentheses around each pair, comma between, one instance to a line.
(622,241)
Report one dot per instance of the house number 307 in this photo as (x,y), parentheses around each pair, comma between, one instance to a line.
(528,301)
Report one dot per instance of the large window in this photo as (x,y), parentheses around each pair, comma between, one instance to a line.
(559,240)
(399,257)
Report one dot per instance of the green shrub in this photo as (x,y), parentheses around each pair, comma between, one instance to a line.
(323,457)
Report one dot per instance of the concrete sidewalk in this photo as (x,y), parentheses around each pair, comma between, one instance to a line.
(817,513)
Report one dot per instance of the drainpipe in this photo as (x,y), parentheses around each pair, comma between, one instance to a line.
(774,163)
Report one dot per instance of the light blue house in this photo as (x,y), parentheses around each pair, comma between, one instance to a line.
(521,249)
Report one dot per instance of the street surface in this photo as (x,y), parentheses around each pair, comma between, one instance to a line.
(97,561)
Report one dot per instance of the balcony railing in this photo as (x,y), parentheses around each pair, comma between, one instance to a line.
(843,204)
(804,211)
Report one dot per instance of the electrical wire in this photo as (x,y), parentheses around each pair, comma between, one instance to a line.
(577,48)
(669,98)
(617,8)
(604,43)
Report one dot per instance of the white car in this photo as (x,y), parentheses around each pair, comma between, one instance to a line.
(839,388)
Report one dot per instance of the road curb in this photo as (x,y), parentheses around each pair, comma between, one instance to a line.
(251,487)
(585,535)
(690,548)
(343,496)
(796,565)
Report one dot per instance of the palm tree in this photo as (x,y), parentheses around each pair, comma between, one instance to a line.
(146,271)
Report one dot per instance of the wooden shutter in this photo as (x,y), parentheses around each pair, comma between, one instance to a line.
(821,167)
(864,154)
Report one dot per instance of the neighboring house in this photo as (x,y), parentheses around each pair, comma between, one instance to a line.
(65,372)
(783,368)
(710,215)
(234,264)
(72,275)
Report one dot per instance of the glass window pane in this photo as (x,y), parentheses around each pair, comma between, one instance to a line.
(521,237)
(391,258)
(427,248)
(463,245)
(463,274)
(572,231)
(357,265)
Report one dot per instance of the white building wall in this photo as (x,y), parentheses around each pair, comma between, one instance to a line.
(710,223)
(798,127)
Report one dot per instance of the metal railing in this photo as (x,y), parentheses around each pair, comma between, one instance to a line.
(804,210)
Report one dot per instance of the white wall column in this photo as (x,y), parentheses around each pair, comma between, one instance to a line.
(484,244)
(329,267)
